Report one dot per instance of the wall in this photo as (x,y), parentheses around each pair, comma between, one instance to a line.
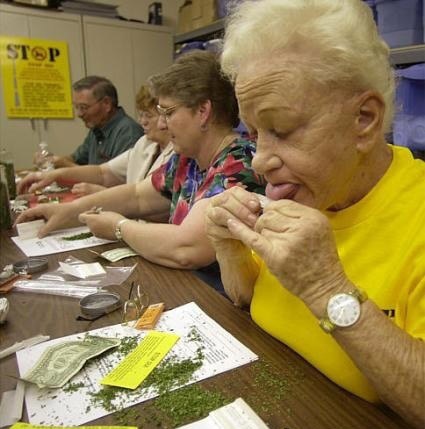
(138,9)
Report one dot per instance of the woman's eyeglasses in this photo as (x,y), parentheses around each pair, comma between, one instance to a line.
(138,300)
(166,112)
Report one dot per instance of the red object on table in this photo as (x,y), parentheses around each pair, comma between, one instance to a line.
(64,197)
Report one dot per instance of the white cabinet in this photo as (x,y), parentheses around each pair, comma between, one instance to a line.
(126,53)
(21,136)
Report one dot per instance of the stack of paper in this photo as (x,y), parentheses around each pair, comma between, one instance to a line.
(84,7)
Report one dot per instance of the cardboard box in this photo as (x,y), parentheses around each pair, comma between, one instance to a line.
(185,18)
(196,14)
(204,12)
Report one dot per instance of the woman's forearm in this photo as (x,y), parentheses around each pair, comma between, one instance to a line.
(239,271)
(391,359)
(121,199)
(168,245)
(82,173)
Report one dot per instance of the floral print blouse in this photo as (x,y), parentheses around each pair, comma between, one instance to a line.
(181,180)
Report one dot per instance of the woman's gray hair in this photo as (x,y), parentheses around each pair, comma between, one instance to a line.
(340,37)
(100,86)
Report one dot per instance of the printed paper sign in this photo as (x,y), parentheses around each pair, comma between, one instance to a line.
(36,78)
(142,360)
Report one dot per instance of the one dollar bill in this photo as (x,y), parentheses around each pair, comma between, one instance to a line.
(62,361)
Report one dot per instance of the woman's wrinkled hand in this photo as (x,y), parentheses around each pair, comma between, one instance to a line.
(101,224)
(34,181)
(296,243)
(236,204)
(84,188)
(57,216)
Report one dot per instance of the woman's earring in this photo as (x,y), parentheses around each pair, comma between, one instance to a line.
(204,127)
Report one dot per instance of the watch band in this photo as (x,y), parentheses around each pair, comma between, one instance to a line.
(118,226)
(327,325)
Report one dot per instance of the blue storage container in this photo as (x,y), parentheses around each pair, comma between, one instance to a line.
(186,47)
(214,45)
(400,22)
(223,7)
(409,121)
(372,5)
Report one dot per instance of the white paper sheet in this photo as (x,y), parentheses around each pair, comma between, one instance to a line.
(52,406)
(54,242)
(82,271)
(29,229)
(236,415)
(11,405)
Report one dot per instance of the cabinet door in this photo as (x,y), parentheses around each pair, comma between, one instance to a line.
(152,53)
(126,53)
(62,135)
(19,136)
(109,54)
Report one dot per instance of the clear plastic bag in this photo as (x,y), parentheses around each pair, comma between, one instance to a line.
(59,283)
(55,288)
(111,276)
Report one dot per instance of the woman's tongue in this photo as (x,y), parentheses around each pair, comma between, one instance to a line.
(280,192)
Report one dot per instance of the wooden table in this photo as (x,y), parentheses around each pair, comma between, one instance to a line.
(310,400)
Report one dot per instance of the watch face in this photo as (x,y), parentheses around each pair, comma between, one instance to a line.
(343,309)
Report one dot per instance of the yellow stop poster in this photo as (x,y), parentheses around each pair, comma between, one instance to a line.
(35,77)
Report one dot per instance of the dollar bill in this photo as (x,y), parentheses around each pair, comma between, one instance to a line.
(62,361)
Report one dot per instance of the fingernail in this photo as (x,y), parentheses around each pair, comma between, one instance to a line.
(230,223)
(252,219)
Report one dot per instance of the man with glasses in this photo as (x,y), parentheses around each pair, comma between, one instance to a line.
(112,131)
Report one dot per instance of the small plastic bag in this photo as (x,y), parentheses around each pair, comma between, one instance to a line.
(59,283)
(55,288)
(112,275)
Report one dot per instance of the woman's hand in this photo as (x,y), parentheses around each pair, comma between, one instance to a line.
(297,245)
(101,224)
(236,204)
(57,216)
(238,268)
(84,188)
(34,181)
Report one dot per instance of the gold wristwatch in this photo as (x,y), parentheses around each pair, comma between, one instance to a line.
(343,310)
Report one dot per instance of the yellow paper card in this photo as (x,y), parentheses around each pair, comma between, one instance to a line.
(20,425)
(141,361)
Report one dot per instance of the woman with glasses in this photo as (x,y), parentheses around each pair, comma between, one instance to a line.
(149,152)
(198,108)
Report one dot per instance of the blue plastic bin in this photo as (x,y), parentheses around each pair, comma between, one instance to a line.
(400,22)
(409,121)
(223,7)
(372,5)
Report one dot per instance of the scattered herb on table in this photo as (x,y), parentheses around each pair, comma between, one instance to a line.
(75,237)
(127,345)
(73,387)
(173,407)
(189,403)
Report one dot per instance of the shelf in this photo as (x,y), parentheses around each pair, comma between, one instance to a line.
(398,56)
(408,55)
(200,33)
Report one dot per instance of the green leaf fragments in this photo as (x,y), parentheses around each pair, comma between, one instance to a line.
(75,237)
